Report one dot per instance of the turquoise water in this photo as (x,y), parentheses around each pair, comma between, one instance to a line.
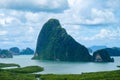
(55,67)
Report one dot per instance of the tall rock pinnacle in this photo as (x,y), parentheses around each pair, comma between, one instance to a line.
(55,44)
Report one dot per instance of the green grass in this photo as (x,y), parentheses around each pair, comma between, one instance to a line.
(2,65)
(108,75)
(19,73)
(5,75)
(28,69)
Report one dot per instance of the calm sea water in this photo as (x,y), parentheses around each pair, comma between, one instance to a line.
(55,67)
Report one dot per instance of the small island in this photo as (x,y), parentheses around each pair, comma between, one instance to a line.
(5,54)
(102,56)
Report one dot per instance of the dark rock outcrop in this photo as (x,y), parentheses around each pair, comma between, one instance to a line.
(102,56)
(27,51)
(55,44)
(113,51)
(15,50)
(5,54)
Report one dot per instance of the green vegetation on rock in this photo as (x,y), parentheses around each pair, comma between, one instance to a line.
(5,54)
(113,51)
(55,44)
(14,50)
(27,51)
(102,56)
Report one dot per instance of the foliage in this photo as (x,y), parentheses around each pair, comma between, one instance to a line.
(28,69)
(113,51)
(27,51)
(55,44)
(103,54)
(5,75)
(22,74)
(5,54)
(18,73)
(2,65)
(14,50)
(108,75)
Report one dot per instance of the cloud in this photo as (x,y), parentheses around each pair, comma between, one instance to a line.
(6,20)
(101,16)
(30,30)
(88,21)
(3,33)
(113,4)
(35,5)
(92,12)
(105,34)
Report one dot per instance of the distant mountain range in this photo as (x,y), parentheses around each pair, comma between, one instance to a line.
(17,51)
(97,47)
(4,53)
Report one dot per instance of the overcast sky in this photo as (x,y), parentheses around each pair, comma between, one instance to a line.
(90,22)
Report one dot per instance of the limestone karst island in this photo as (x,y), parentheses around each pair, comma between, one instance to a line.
(54,43)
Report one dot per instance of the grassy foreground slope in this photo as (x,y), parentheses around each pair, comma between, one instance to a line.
(110,75)
(18,73)
(5,75)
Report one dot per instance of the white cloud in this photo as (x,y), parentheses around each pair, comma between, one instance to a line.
(1,14)
(30,30)
(2,22)
(3,33)
(6,20)
(104,34)
(73,30)
(91,12)
(23,25)
(32,17)
(102,16)
(97,16)
(114,4)
(35,5)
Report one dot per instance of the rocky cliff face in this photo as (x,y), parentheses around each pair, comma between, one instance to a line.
(15,50)
(102,56)
(5,54)
(55,44)
(113,51)
(27,51)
